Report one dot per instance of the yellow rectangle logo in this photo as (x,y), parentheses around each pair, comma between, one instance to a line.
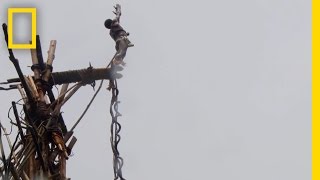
(33,12)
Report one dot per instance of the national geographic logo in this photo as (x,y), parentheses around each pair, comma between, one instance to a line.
(11,12)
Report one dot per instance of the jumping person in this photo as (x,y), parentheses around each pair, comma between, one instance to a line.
(119,35)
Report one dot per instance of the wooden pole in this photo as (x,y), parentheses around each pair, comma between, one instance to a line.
(37,74)
(85,75)
(15,111)
(33,88)
(63,172)
(23,94)
(50,59)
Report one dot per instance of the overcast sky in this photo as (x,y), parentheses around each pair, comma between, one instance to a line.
(213,89)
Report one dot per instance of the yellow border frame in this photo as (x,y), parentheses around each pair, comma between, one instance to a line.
(33,12)
(315,89)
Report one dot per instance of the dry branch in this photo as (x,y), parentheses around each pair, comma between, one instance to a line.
(51,52)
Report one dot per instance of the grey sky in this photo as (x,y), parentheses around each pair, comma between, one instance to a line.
(215,89)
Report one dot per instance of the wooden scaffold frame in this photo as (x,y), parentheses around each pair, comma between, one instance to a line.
(43,143)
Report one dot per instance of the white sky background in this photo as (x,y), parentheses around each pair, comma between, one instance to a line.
(212,89)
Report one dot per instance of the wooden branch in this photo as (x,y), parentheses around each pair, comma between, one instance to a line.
(30,150)
(37,148)
(71,144)
(74,90)
(14,173)
(51,52)
(14,170)
(37,74)
(63,92)
(15,62)
(10,145)
(9,88)
(33,88)
(62,95)
(18,120)
(39,53)
(85,111)
(22,93)
(63,165)
(35,63)
(73,141)
(24,176)
(50,59)
(57,108)
(31,166)
(67,136)
(85,75)
(34,57)
(3,156)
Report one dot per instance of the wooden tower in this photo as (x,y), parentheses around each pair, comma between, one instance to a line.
(43,143)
